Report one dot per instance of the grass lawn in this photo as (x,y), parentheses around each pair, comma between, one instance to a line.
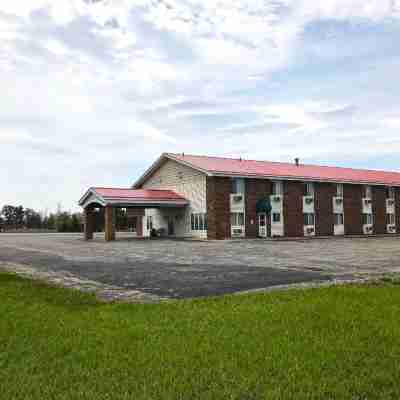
(328,343)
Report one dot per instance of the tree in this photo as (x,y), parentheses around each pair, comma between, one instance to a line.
(19,216)
(33,220)
(9,215)
(76,223)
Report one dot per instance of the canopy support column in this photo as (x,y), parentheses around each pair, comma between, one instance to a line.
(109,221)
(89,223)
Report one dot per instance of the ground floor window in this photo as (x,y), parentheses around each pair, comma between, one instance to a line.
(276,218)
(390,219)
(237,219)
(339,220)
(309,219)
(198,222)
(367,219)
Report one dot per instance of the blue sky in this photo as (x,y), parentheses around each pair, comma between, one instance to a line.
(94,90)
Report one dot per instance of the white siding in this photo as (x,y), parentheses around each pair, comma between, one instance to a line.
(187,182)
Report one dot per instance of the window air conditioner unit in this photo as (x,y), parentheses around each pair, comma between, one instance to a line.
(309,200)
(237,198)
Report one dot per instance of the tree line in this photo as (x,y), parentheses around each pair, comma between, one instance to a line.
(20,218)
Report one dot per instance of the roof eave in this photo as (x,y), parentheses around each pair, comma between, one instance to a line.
(301,178)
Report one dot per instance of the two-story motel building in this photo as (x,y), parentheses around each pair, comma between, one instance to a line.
(218,198)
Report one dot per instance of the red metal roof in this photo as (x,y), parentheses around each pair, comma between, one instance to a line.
(138,194)
(252,168)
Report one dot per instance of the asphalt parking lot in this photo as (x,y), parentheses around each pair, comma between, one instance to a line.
(185,269)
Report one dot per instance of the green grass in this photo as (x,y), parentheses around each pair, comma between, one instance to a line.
(328,343)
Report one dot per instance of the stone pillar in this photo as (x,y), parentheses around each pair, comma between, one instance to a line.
(109,223)
(89,223)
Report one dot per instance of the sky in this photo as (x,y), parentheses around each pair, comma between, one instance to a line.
(93,91)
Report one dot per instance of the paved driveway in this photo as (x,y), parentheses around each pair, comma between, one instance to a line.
(181,269)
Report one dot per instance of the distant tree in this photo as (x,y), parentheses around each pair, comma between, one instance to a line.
(33,220)
(8,212)
(50,222)
(76,225)
(19,216)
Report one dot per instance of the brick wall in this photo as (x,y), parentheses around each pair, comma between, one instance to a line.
(218,207)
(352,204)
(324,219)
(256,189)
(379,209)
(293,208)
(397,210)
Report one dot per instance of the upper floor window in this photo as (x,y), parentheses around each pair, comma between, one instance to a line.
(277,188)
(237,185)
(367,192)
(390,193)
(339,190)
(309,189)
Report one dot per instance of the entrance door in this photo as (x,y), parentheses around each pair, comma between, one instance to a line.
(171,227)
(262,225)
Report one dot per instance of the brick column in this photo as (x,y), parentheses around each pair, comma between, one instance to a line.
(139,226)
(352,205)
(218,208)
(89,223)
(397,209)
(379,209)
(109,223)
(324,220)
(293,208)
(256,189)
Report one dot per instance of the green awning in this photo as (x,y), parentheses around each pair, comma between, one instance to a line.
(263,206)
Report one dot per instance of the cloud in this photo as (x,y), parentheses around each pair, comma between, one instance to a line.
(93,91)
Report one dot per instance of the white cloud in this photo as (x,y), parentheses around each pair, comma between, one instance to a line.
(123,80)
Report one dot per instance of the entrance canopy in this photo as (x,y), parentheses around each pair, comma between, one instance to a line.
(263,206)
(145,198)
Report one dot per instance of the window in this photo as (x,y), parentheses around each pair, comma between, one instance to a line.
(237,185)
(368,192)
(277,188)
(339,220)
(339,190)
(198,222)
(390,219)
(237,219)
(276,218)
(309,219)
(309,189)
(390,193)
(149,223)
(367,219)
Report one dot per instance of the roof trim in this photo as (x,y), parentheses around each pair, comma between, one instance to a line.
(157,164)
